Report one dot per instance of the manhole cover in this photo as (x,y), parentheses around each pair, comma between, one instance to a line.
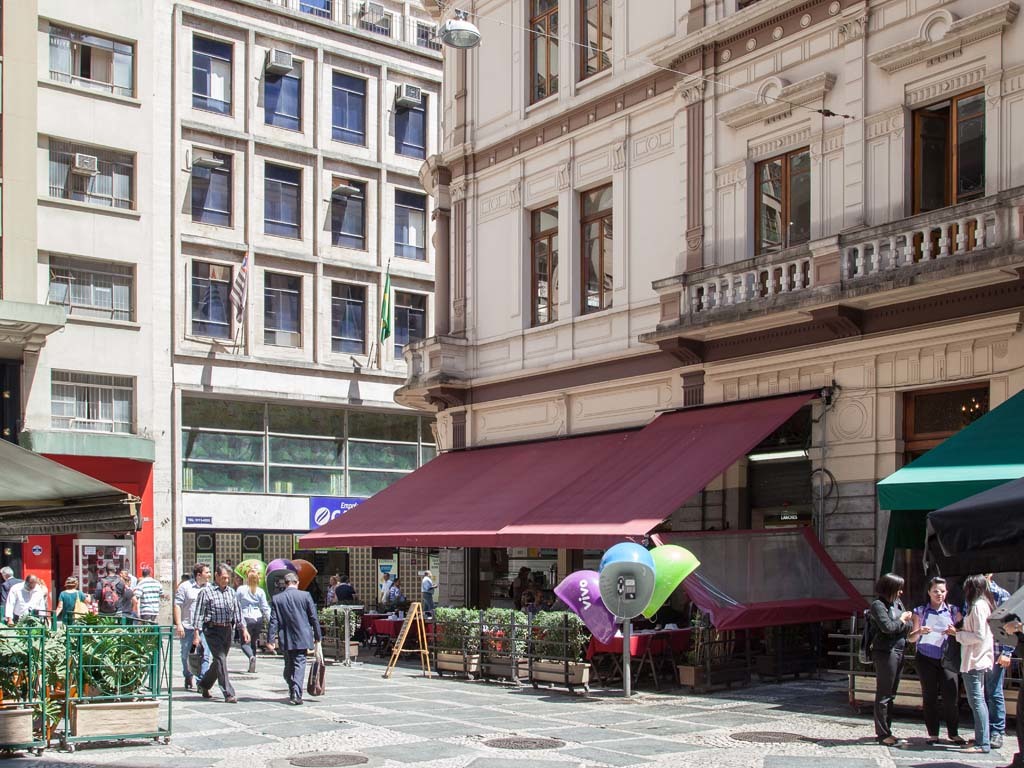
(515,742)
(767,737)
(328,760)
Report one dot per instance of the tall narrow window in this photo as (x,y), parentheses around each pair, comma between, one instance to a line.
(348,318)
(410,319)
(211,75)
(949,152)
(282,99)
(596,249)
(544,257)
(282,310)
(595,36)
(348,109)
(348,214)
(543,49)
(89,61)
(282,200)
(411,130)
(410,225)
(211,192)
(783,204)
(211,303)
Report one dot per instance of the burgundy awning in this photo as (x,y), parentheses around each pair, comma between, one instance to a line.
(578,493)
(765,578)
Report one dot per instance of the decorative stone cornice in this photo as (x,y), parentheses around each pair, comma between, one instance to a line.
(768,107)
(942,32)
(690,89)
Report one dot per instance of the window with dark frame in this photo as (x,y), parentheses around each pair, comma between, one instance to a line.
(411,130)
(282,200)
(782,208)
(930,416)
(348,109)
(282,99)
(543,49)
(348,318)
(544,261)
(211,75)
(596,249)
(949,152)
(595,36)
(410,225)
(282,310)
(211,193)
(410,319)
(348,215)
(211,300)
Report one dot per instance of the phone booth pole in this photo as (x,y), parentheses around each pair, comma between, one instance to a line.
(627,677)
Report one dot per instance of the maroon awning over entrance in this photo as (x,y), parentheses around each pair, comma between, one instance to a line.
(577,493)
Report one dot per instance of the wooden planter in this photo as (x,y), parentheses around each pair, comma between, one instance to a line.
(578,673)
(691,677)
(116,718)
(16,727)
(467,664)
(501,666)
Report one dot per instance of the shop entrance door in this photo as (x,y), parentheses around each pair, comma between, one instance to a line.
(92,556)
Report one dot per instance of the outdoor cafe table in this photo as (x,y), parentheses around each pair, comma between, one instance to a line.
(367,619)
(646,645)
(386,631)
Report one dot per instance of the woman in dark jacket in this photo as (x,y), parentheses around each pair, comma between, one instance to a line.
(892,626)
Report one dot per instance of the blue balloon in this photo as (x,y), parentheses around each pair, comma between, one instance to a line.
(629,552)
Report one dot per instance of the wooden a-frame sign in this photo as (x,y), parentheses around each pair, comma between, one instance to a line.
(415,616)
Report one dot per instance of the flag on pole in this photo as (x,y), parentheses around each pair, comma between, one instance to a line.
(240,289)
(385,307)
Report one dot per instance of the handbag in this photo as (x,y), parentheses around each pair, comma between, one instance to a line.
(195,659)
(317,673)
(81,607)
(951,656)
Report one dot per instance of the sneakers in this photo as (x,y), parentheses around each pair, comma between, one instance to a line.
(252,665)
(996,741)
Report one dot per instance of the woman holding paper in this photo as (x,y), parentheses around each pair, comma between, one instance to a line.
(930,623)
(892,625)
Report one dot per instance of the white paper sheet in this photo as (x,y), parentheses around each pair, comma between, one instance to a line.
(938,624)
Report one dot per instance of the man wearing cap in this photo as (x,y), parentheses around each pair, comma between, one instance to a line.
(293,626)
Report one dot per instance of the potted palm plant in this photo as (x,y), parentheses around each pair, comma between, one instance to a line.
(558,639)
(456,641)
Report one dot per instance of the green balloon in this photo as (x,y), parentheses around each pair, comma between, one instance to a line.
(243,568)
(672,564)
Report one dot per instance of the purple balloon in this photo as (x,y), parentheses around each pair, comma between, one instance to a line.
(581,593)
(282,564)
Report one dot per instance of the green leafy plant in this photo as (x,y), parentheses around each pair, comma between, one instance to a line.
(504,631)
(115,659)
(558,635)
(456,630)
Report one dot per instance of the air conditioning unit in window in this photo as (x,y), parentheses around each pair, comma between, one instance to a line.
(343,190)
(408,96)
(85,165)
(372,13)
(202,158)
(279,62)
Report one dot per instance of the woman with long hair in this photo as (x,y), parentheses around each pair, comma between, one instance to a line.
(930,623)
(976,655)
(892,625)
(253,602)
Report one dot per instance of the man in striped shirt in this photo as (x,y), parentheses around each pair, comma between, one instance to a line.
(149,592)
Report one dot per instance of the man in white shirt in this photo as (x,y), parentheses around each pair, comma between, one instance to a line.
(24,598)
(184,599)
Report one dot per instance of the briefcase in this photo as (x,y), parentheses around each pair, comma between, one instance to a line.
(317,673)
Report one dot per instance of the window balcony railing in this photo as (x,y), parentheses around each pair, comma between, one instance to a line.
(761,279)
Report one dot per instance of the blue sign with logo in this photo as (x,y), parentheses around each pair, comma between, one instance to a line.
(323,509)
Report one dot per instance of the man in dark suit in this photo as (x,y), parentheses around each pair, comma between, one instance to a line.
(293,626)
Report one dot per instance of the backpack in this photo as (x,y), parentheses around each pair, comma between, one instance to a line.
(109,599)
(867,637)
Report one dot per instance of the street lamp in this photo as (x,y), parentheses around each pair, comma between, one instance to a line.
(459,32)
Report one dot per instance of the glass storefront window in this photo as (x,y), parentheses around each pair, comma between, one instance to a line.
(383,426)
(227,478)
(307,451)
(303,481)
(362,483)
(381,455)
(292,420)
(221,446)
(222,414)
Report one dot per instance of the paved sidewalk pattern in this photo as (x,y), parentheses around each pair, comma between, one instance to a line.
(413,721)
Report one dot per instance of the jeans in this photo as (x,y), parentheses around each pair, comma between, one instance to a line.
(974,685)
(994,699)
(888,669)
(254,626)
(186,644)
(938,682)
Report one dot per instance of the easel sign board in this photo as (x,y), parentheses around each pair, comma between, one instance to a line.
(414,617)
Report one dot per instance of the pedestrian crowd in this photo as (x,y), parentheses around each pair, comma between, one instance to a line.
(953,643)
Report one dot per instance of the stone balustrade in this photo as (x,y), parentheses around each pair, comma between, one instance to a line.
(737,287)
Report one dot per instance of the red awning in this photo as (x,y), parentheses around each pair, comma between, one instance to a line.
(463,498)
(581,492)
(765,578)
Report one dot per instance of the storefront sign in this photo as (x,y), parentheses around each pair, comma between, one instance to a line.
(37,550)
(323,509)
(198,520)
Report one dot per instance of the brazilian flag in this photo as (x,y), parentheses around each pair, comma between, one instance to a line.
(385,308)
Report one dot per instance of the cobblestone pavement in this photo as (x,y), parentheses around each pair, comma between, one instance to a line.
(446,723)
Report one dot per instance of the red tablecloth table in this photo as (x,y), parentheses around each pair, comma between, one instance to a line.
(367,619)
(662,645)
